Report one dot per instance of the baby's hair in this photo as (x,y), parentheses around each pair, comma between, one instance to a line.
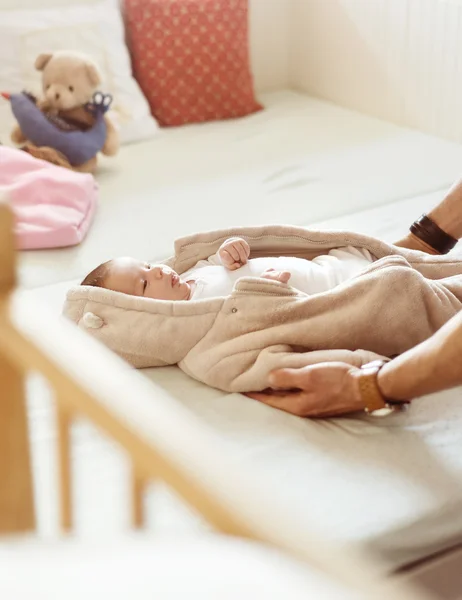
(98,276)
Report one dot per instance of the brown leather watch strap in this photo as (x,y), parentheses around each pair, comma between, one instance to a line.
(429,232)
(373,399)
(368,388)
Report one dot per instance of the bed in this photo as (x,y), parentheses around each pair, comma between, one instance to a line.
(392,485)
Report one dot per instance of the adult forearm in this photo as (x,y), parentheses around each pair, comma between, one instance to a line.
(433,365)
(448,213)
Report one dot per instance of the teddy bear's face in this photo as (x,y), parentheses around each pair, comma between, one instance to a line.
(68,81)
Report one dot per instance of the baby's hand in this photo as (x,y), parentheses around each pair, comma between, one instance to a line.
(234,253)
(281,276)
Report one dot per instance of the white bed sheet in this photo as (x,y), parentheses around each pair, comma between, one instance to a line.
(386,484)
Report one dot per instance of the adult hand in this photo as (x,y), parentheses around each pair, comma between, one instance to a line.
(321,390)
(234,253)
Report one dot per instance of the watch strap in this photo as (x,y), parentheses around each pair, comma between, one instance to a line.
(373,399)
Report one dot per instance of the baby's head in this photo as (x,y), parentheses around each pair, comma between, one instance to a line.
(137,278)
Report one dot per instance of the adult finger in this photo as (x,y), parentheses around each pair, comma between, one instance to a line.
(301,404)
(290,378)
(284,401)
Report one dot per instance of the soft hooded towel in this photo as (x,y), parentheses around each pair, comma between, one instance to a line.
(233,342)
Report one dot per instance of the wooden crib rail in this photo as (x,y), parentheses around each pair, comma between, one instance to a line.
(16,498)
(162,438)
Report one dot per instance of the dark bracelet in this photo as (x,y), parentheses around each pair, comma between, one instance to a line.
(429,232)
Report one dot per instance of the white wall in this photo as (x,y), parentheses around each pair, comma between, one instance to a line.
(269,36)
(269,43)
(397,59)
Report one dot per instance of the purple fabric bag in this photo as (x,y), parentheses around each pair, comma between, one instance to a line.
(77,146)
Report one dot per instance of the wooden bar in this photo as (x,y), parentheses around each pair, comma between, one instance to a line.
(7,252)
(138,489)
(16,490)
(65,473)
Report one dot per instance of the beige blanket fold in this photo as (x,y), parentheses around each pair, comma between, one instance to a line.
(232,343)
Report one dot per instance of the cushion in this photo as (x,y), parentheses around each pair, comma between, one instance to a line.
(96,29)
(191,58)
(53,206)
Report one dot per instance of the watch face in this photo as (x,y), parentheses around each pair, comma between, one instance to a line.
(382,412)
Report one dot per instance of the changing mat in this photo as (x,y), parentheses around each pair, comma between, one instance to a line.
(53,206)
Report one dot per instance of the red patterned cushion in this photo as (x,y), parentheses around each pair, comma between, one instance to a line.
(191,58)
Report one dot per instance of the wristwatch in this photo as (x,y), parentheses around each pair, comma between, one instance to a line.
(375,403)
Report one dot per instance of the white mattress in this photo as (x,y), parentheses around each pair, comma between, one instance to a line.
(392,485)
(143,568)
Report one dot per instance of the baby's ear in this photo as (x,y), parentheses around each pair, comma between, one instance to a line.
(93,74)
(42,60)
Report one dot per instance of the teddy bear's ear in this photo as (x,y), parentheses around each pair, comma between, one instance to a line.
(93,74)
(42,60)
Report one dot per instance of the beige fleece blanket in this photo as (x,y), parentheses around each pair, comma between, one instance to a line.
(233,342)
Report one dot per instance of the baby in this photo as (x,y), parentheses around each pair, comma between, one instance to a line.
(216,275)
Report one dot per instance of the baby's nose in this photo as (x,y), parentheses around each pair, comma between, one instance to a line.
(157,272)
(57,95)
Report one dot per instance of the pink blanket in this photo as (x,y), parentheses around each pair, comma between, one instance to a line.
(53,206)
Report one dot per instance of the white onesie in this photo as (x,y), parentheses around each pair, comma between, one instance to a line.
(323,273)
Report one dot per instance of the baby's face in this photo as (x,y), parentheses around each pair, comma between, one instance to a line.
(137,278)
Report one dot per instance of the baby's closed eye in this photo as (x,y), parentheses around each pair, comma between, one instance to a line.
(145,281)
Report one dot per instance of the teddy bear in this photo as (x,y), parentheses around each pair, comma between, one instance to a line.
(69,80)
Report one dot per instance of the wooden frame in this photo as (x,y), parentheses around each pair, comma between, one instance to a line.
(140,417)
